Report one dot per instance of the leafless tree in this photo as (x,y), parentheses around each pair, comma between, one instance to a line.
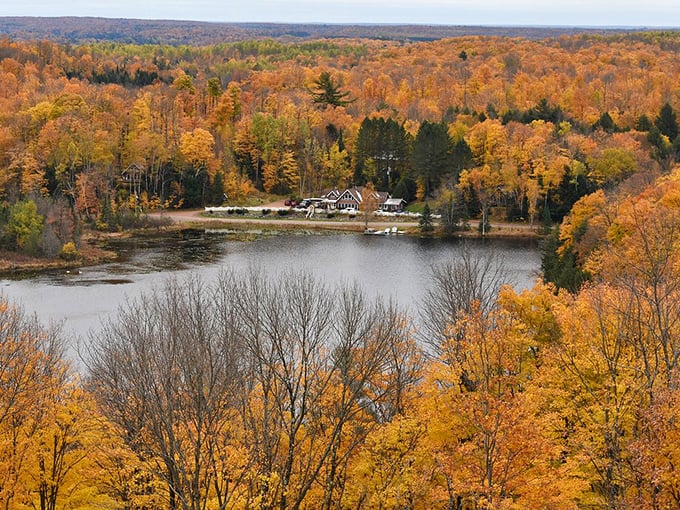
(468,283)
(165,370)
(291,359)
(321,356)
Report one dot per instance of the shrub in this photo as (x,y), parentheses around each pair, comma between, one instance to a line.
(283,212)
(330,215)
(69,251)
(265,212)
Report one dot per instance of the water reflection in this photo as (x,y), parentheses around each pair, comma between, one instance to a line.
(393,268)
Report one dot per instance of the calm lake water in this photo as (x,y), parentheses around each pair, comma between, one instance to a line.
(390,267)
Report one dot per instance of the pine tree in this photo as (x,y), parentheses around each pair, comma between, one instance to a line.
(426,220)
(328,92)
(667,122)
(431,156)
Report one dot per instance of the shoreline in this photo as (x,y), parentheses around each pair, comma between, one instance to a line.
(14,264)
(200,219)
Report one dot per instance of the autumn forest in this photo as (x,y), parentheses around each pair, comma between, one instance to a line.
(254,392)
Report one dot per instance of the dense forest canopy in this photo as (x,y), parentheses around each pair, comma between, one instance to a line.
(80,30)
(518,126)
(268,392)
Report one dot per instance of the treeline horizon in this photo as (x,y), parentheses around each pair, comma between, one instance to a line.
(88,29)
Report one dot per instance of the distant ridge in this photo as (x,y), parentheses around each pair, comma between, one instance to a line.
(77,30)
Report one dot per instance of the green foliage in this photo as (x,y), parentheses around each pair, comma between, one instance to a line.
(406,188)
(573,186)
(426,222)
(606,123)
(327,92)
(431,157)
(107,218)
(185,82)
(195,187)
(667,122)
(382,152)
(562,269)
(643,123)
(24,226)
(214,87)
(542,111)
(415,207)
(215,192)
(546,221)
(661,145)
(612,166)
(461,155)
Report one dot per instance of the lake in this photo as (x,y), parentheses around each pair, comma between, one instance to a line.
(393,267)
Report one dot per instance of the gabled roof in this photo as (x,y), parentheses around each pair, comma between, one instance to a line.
(355,194)
(332,194)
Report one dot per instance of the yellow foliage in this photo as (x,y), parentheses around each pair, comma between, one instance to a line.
(197,147)
(69,251)
(585,225)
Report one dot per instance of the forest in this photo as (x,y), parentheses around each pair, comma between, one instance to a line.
(85,30)
(256,392)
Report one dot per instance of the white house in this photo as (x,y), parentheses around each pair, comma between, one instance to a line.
(352,198)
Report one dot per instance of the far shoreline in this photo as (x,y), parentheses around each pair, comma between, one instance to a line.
(199,218)
(13,265)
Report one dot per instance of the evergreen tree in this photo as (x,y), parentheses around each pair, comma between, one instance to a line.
(327,92)
(573,186)
(406,188)
(426,224)
(667,122)
(606,123)
(461,156)
(661,147)
(562,268)
(543,111)
(431,157)
(381,153)
(643,123)
(216,190)
(107,219)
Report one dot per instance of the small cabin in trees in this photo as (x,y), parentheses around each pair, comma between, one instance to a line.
(393,205)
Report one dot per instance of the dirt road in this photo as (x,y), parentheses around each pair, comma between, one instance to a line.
(357,224)
(343,223)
